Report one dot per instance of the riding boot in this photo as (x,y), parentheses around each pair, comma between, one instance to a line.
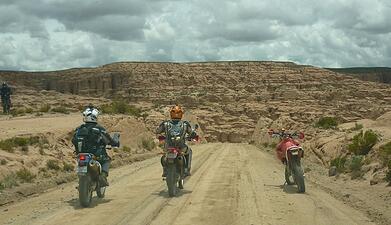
(103,179)
(164,171)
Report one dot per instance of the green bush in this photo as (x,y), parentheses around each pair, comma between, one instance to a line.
(148,144)
(355,166)
(67,167)
(339,163)
(18,112)
(385,153)
(11,143)
(29,110)
(52,164)
(44,108)
(265,144)
(273,145)
(126,149)
(362,143)
(9,181)
(60,109)
(3,162)
(327,123)
(121,107)
(388,175)
(25,175)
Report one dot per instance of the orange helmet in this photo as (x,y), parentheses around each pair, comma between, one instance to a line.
(176,112)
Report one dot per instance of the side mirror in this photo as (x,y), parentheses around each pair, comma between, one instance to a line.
(301,135)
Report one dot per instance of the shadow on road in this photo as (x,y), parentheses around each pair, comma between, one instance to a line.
(94,202)
(290,189)
(164,193)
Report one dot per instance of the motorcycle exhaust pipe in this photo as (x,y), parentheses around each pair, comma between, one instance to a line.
(95,167)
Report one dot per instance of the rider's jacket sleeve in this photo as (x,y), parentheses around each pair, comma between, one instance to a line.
(189,130)
(161,128)
(106,138)
(74,141)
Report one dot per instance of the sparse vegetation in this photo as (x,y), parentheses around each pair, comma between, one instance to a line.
(273,145)
(126,149)
(265,144)
(67,167)
(11,143)
(25,148)
(60,109)
(25,175)
(355,166)
(29,110)
(18,112)
(385,153)
(121,107)
(362,143)
(357,126)
(388,175)
(44,108)
(148,143)
(339,163)
(9,181)
(52,164)
(327,123)
(3,162)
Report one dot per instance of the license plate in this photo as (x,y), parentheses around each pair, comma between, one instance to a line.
(295,152)
(171,155)
(82,169)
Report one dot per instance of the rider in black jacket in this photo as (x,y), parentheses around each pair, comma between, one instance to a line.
(90,137)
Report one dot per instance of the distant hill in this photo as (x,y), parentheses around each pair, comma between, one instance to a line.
(377,74)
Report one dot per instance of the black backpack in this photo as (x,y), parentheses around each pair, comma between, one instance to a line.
(88,139)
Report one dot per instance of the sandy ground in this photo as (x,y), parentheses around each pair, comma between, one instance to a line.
(231,184)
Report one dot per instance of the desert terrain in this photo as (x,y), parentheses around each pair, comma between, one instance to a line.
(236,176)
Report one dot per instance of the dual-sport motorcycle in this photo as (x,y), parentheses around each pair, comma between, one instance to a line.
(175,161)
(89,171)
(290,153)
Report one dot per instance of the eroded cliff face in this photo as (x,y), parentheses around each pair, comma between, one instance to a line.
(227,97)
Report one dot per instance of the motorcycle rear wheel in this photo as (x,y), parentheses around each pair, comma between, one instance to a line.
(288,176)
(171,180)
(299,177)
(85,192)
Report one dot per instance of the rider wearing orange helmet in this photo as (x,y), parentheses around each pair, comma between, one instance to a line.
(178,127)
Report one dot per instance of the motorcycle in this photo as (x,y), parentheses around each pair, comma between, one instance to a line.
(290,153)
(89,171)
(175,161)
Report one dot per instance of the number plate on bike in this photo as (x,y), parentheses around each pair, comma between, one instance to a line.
(82,169)
(171,155)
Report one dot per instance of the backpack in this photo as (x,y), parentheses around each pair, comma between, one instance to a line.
(175,133)
(88,139)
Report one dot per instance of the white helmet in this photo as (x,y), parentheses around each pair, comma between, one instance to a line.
(90,115)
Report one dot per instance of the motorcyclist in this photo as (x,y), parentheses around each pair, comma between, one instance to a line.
(90,137)
(182,127)
(5,92)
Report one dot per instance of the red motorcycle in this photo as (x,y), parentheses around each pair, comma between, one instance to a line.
(290,154)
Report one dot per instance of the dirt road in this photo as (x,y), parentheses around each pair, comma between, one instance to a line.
(231,184)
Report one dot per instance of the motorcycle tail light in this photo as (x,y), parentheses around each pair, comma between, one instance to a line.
(82,157)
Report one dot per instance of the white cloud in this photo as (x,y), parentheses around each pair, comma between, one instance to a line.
(59,34)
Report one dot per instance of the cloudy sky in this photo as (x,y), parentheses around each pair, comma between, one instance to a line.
(58,34)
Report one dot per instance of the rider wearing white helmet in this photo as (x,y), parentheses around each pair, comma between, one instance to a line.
(93,138)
